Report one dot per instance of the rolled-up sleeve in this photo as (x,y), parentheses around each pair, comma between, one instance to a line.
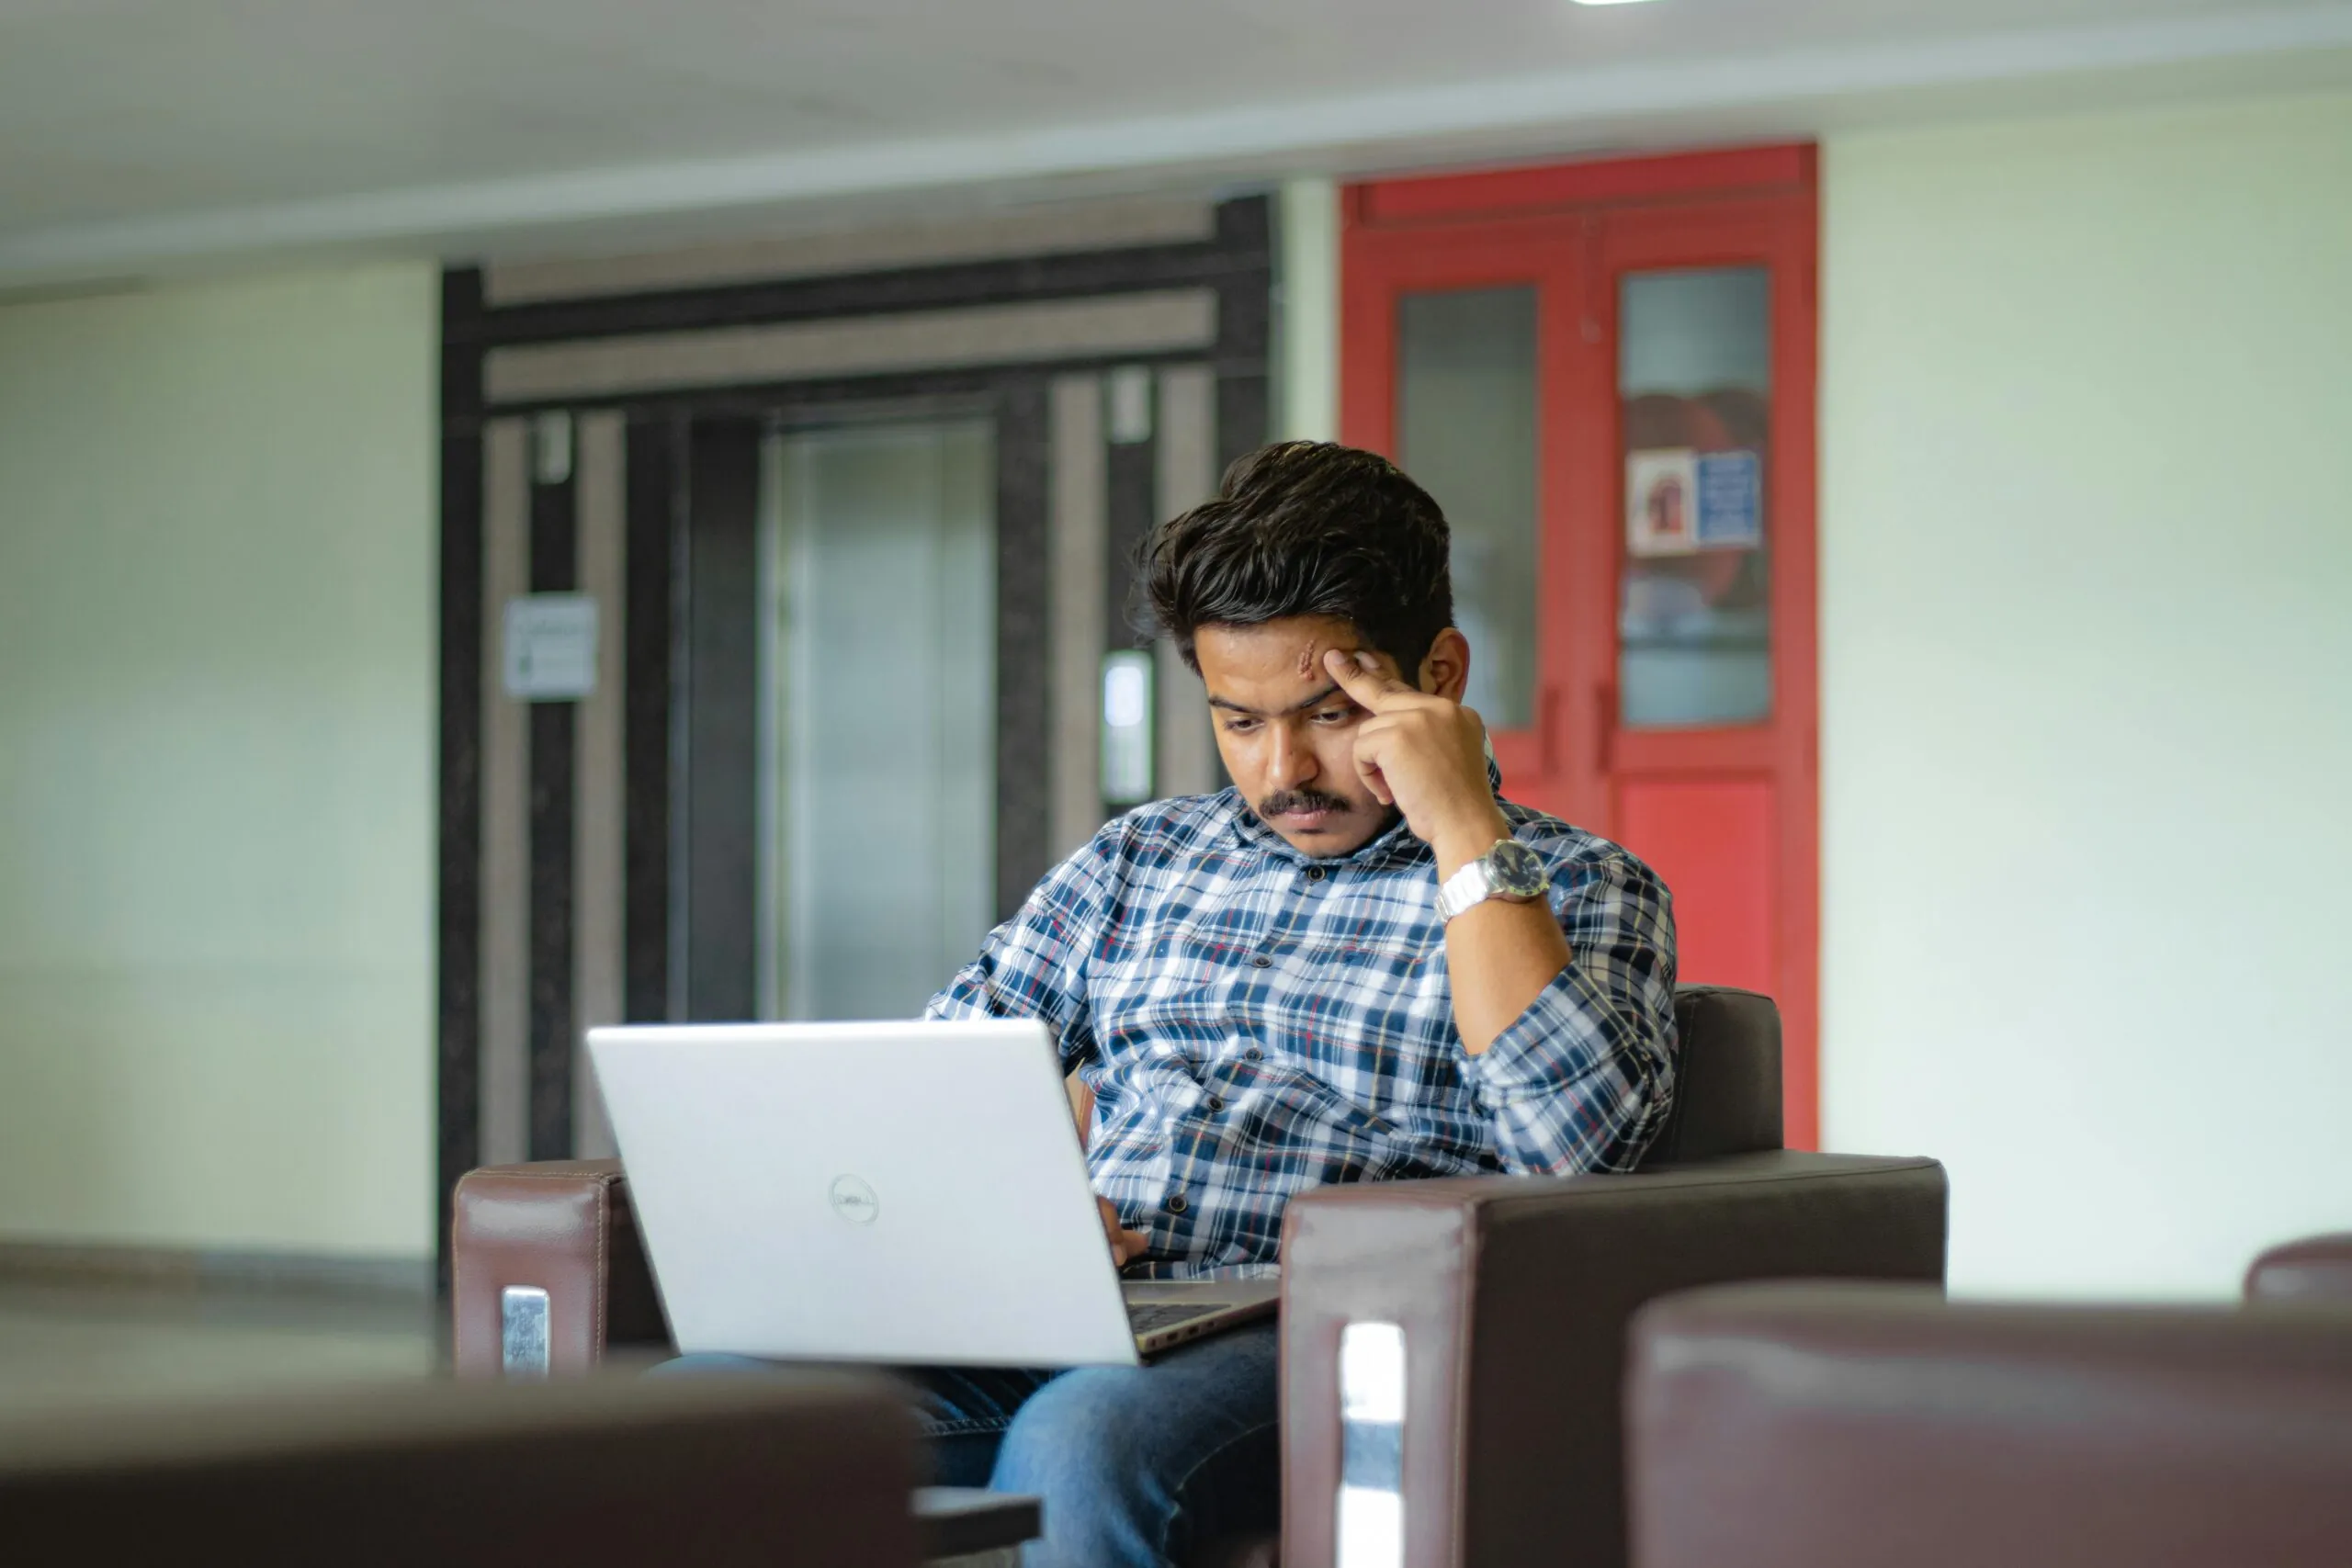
(1582,1081)
(1034,965)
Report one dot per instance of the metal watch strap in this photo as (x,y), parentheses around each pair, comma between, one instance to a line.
(1465,889)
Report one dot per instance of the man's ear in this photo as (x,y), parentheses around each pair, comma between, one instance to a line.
(1445,669)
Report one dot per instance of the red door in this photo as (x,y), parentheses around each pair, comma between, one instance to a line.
(1604,372)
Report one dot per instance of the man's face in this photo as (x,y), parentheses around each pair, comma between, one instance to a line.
(1287,732)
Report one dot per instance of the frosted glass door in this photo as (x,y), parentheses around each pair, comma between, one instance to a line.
(879,669)
(1694,385)
(1465,429)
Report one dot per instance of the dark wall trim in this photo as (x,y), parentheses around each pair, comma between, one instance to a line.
(555,568)
(1134,482)
(721,899)
(1233,257)
(1244,331)
(458,944)
(1023,661)
(656,503)
(759,399)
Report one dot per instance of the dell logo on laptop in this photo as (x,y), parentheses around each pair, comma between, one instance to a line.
(854,1200)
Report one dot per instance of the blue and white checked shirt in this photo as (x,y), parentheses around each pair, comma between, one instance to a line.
(1255,1022)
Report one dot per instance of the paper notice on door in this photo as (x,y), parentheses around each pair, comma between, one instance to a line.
(1678,501)
(1661,500)
(549,653)
(1731,502)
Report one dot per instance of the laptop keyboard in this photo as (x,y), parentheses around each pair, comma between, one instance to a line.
(1151,1317)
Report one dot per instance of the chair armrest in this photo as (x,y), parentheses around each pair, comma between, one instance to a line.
(1514,1293)
(2317,1269)
(563,1226)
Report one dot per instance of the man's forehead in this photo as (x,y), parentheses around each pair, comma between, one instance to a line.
(1293,646)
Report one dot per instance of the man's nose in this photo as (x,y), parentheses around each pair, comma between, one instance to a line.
(1292,762)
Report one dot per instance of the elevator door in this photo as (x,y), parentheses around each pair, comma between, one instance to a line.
(877,711)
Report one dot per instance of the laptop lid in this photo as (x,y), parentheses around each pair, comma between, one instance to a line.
(901,1193)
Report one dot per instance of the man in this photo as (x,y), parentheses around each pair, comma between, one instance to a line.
(1266,990)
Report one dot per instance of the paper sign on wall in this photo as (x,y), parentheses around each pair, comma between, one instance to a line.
(1678,501)
(551,648)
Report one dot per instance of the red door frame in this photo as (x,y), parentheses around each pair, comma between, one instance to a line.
(1573,229)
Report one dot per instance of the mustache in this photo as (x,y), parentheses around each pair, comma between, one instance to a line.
(1283,802)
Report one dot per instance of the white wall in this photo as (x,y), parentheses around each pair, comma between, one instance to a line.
(1307,341)
(2086,716)
(217,655)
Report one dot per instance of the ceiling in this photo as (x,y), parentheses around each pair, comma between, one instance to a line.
(144,135)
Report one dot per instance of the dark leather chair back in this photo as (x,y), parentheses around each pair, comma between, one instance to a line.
(1861,1426)
(2315,1270)
(1727,1089)
(811,1469)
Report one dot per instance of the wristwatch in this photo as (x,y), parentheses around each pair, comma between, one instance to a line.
(1510,872)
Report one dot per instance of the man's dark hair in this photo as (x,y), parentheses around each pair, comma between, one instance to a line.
(1307,528)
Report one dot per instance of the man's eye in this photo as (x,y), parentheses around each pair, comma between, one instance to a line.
(1333,716)
(1239,726)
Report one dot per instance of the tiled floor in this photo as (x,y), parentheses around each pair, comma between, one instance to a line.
(66,1344)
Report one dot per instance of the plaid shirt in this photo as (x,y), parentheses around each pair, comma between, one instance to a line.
(1255,1023)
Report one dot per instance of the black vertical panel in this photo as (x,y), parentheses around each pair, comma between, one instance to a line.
(1244,327)
(655,495)
(722,647)
(1245,232)
(1134,479)
(1024,673)
(555,568)
(457,953)
(1241,416)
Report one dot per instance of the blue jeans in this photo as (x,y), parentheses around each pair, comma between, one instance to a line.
(1137,1465)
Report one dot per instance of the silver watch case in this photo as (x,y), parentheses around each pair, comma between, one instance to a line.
(1510,870)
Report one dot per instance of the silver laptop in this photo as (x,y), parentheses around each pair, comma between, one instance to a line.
(907,1194)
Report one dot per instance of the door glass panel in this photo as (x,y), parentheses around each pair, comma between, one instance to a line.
(880,770)
(1694,389)
(1465,426)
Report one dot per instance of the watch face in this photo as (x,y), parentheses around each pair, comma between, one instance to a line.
(1517,871)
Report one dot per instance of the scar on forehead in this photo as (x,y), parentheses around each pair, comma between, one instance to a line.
(1309,657)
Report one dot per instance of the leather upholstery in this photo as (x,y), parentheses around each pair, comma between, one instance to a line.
(598,1472)
(1727,1078)
(1514,1293)
(2317,1269)
(1811,1426)
(567,1227)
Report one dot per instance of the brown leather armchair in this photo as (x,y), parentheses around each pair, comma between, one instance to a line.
(1858,1425)
(814,1470)
(2315,1270)
(1512,1295)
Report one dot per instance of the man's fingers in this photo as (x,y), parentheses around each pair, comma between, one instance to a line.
(1126,1246)
(1362,681)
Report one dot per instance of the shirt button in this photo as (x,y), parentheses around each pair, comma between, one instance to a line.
(1215,1103)
(1263,962)
(1176,1204)
(1314,874)
(1254,1054)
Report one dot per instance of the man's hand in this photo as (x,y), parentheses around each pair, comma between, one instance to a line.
(1425,755)
(1126,1246)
